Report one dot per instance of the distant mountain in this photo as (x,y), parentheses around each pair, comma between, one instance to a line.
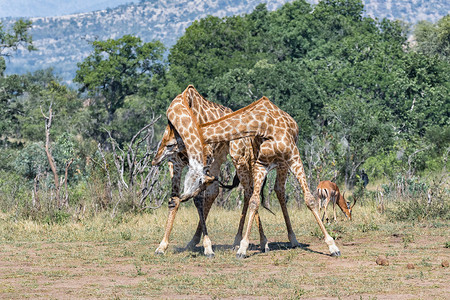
(62,41)
(52,8)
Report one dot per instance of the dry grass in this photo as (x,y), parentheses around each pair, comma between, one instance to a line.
(114,258)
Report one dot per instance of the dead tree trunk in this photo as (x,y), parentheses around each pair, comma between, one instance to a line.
(51,160)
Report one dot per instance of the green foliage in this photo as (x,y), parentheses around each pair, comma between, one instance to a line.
(434,39)
(417,209)
(31,160)
(383,165)
(13,192)
(57,217)
(116,69)
(362,95)
(12,38)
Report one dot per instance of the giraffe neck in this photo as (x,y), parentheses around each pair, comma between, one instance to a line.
(180,115)
(185,113)
(203,110)
(250,121)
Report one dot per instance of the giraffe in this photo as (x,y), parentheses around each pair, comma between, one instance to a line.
(275,133)
(241,152)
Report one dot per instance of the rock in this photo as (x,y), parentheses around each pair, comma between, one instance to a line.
(444,264)
(382,260)
(410,266)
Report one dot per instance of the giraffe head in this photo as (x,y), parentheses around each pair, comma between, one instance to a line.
(170,145)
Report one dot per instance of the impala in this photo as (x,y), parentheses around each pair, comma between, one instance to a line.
(327,191)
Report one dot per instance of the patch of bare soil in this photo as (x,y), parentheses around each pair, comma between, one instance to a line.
(129,269)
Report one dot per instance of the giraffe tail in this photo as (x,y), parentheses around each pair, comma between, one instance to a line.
(236,183)
(263,199)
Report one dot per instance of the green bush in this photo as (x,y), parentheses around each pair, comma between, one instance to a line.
(417,209)
(57,217)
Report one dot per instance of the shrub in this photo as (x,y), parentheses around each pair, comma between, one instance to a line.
(417,209)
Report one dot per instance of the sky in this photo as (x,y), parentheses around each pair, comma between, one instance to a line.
(50,8)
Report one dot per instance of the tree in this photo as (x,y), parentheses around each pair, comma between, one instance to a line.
(213,46)
(116,69)
(434,39)
(12,39)
(10,88)
(359,129)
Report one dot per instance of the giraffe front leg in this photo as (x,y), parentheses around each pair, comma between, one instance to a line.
(206,241)
(198,233)
(174,203)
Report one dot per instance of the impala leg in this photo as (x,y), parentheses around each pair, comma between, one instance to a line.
(280,190)
(334,210)
(259,173)
(297,169)
(322,207)
(326,208)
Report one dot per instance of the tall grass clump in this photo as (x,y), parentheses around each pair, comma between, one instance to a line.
(415,200)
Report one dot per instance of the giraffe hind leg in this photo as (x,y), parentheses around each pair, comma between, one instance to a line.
(259,174)
(280,190)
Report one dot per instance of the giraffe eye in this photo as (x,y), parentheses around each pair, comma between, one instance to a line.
(171,146)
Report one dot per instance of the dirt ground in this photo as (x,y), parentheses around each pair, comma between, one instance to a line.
(129,269)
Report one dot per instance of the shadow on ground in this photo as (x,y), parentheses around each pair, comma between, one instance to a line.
(253,249)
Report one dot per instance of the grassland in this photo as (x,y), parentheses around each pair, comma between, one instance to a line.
(105,258)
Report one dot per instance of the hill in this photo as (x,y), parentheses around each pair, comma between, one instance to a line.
(62,41)
(52,8)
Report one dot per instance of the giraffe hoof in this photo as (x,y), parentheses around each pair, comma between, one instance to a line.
(210,255)
(336,254)
(159,252)
(240,256)
(334,250)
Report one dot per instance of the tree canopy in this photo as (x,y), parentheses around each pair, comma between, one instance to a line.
(365,95)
